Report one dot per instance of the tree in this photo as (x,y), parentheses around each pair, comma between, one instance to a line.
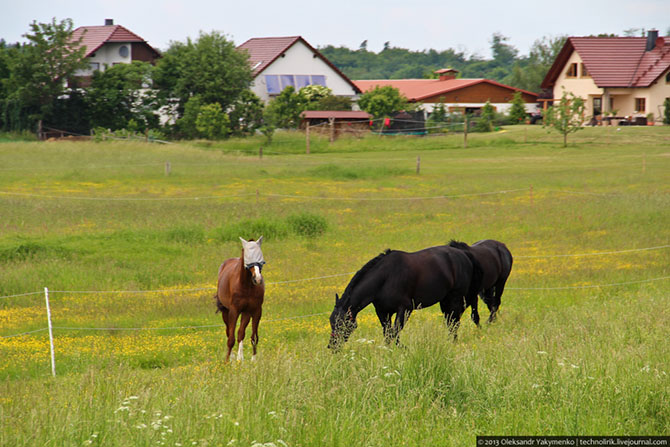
(503,53)
(284,111)
(246,114)
(666,112)
(529,73)
(212,123)
(517,112)
(332,102)
(122,93)
(40,69)
(211,67)
(485,121)
(437,118)
(312,94)
(565,117)
(382,102)
(186,124)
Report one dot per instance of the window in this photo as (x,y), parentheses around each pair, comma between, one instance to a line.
(640,105)
(287,80)
(301,81)
(276,83)
(572,70)
(585,72)
(272,84)
(95,66)
(319,80)
(597,106)
(667,78)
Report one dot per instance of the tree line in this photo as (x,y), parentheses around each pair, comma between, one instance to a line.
(507,65)
(200,88)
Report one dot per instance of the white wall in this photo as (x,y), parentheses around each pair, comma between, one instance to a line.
(108,55)
(300,60)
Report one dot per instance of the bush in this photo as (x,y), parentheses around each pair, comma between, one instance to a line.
(517,113)
(307,224)
(212,123)
(303,224)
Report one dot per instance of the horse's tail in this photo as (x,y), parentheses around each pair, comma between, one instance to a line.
(506,256)
(477,276)
(219,307)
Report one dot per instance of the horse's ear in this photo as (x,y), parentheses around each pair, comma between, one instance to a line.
(337,299)
(260,240)
(243,241)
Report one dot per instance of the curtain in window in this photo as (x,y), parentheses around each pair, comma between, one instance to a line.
(301,81)
(287,80)
(319,80)
(272,84)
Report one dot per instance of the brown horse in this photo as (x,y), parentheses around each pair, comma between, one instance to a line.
(240,292)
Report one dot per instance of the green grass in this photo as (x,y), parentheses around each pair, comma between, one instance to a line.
(576,360)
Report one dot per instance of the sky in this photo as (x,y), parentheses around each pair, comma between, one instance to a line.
(465,25)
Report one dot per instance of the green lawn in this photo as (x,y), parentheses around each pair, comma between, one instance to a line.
(130,256)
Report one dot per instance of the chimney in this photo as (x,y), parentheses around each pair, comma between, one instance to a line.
(446,74)
(652,35)
(109,22)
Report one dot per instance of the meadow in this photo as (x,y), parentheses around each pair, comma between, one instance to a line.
(130,257)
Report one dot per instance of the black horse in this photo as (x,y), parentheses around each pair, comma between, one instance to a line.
(496,263)
(397,282)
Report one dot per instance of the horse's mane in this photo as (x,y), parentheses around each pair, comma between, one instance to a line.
(361,273)
(457,244)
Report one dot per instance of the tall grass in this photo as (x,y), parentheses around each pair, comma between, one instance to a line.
(572,353)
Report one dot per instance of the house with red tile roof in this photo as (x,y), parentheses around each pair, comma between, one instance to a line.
(279,62)
(457,94)
(626,75)
(110,44)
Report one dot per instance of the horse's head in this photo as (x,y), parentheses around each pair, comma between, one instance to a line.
(342,324)
(253,259)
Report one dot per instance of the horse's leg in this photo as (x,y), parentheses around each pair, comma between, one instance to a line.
(452,311)
(495,304)
(474,314)
(400,319)
(230,327)
(385,320)
(244,321)
(255,320)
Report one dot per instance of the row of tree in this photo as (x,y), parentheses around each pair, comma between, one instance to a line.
(200,88)
(506,66)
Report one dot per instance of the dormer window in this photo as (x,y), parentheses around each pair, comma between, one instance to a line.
(585,72)
(572,70)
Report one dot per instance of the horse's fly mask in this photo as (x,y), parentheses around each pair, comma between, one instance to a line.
(252,253)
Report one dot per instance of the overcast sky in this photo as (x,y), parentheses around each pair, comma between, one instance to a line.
(464,25)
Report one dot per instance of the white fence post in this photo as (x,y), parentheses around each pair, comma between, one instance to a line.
(51,336)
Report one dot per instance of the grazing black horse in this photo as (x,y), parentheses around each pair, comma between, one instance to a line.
(397,282)
(496,262)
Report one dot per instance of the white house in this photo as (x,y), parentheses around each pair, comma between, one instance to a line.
(279,62)
(110,44)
